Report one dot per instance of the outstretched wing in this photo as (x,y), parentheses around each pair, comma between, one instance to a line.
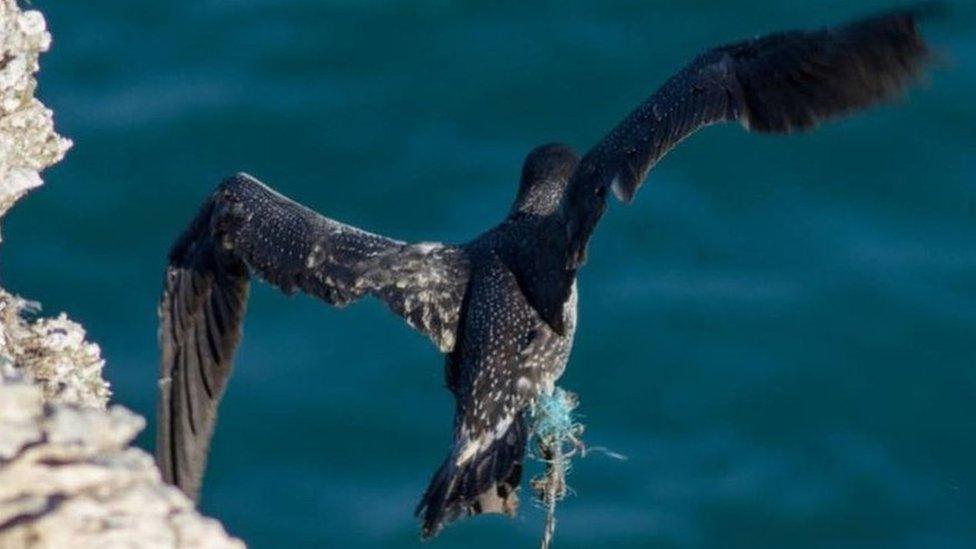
(778,83)
(244,228)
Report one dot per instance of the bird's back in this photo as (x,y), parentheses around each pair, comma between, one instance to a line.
(505,356)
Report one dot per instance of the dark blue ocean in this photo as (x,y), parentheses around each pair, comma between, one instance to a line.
(780,333)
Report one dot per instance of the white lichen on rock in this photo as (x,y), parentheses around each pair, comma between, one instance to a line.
(68,475)
(28,142)
(52,352)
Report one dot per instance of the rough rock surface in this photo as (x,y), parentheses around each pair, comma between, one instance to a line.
(68,477)
(28,143)
(52,352)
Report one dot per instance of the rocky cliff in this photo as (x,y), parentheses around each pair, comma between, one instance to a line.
(68,475)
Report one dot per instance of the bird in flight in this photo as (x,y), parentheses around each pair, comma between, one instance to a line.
(502,307)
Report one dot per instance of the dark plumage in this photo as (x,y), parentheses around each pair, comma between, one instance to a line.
(503,306)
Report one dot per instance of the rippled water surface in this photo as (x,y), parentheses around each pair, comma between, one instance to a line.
(780,333)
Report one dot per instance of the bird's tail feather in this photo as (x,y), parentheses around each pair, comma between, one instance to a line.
(488,482)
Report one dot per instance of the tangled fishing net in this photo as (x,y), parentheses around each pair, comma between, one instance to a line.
(556,435)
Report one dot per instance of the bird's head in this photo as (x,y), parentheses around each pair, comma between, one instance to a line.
(545,173)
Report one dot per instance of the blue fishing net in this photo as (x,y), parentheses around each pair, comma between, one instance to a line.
(553,420)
